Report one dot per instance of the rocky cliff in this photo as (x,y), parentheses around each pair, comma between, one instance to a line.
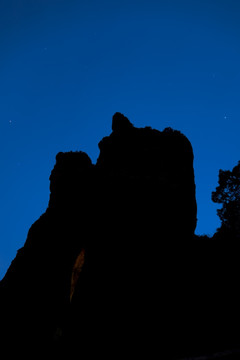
(112,267)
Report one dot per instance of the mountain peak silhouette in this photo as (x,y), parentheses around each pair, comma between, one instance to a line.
(120,122)
(114,256)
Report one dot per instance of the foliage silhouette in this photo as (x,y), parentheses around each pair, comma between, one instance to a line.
(228,194)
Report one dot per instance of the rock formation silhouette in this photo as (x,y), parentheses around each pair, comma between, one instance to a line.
(113,266)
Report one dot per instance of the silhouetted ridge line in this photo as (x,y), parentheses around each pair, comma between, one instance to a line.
(113,265)
(120,123)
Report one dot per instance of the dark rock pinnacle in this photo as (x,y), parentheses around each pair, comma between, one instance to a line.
(112,268)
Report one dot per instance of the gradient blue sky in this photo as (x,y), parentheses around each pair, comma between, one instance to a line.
(67,66)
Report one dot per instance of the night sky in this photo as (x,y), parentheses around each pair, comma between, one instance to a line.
(67,66)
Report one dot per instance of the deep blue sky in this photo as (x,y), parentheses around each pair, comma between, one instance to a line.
(67,66)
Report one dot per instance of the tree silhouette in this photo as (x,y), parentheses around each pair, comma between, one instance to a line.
(228,194)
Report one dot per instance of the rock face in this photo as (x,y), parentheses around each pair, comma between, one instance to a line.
(112,267)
